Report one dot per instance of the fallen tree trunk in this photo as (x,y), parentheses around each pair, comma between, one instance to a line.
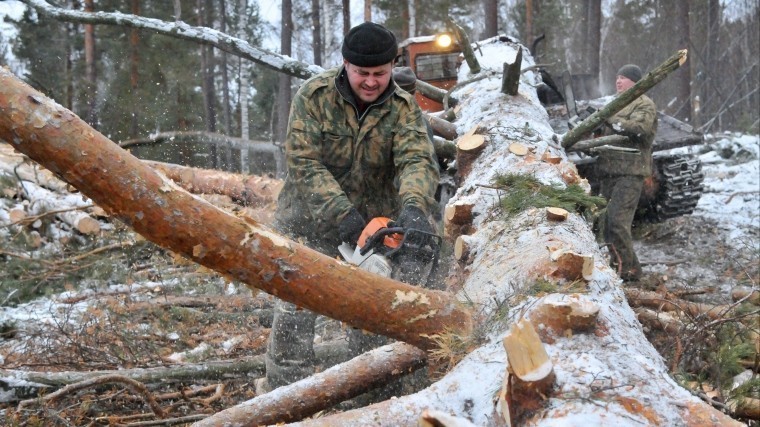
(658,301)
(311,395)
(243,250)
(24,169)
(248,190)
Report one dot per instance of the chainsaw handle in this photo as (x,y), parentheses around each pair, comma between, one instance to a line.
(380,234)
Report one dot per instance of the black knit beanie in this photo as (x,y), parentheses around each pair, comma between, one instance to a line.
(631,71)
(369,45)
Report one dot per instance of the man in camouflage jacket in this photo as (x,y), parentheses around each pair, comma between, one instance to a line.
(623,172)
(357,148)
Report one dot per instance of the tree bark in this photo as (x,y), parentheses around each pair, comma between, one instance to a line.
(593,42)
(244,251)
(205,9)
(510,81)
(346,16)
(210,370)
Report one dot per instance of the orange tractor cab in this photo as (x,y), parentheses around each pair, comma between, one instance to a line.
(435,60)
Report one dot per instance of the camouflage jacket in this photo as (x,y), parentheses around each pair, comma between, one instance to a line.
(637,121)
(336,159)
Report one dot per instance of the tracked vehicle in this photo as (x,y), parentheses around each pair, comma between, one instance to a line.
(675,187)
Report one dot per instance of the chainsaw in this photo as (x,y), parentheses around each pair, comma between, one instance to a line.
(395,252)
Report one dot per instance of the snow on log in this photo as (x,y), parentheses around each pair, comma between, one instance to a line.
(607,375)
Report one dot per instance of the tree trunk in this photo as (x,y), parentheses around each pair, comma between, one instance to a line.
(205,9)
(249,190)
(134,71)
(244,87)
(682,76)
(283,88)
(316,32)
(593,43)
(89,58)
(242,250)
(529,21)
(346,16)
(223,65)
(491,9)
(367,10)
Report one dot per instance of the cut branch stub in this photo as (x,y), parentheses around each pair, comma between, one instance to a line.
(530,372)
(462,248)
(559,315)
(556,214)
(458,213)
(572,266)
(550,158)
(518,149)
(469,146)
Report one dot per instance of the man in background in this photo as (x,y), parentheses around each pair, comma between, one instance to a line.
(623,172)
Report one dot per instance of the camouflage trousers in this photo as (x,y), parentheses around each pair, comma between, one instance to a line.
(290,351)
(622,194)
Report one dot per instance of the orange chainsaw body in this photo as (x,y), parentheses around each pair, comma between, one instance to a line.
(392,241)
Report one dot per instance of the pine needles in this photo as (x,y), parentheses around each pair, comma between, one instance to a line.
(524,191)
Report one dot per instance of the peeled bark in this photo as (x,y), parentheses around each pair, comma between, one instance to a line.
(243,250)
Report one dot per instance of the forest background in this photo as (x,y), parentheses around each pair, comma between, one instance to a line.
(130,83)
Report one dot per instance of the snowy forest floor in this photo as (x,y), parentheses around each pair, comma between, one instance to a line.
(66,307)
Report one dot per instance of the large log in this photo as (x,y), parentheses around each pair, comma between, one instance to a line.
(243,250)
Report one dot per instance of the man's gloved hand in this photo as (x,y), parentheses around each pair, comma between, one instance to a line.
(413,218)
(351,226)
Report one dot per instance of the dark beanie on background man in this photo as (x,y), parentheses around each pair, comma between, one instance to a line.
(405,78)
(369,45)
(631,71)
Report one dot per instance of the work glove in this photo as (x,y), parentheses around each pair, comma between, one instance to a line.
(413,218)
(351,227)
